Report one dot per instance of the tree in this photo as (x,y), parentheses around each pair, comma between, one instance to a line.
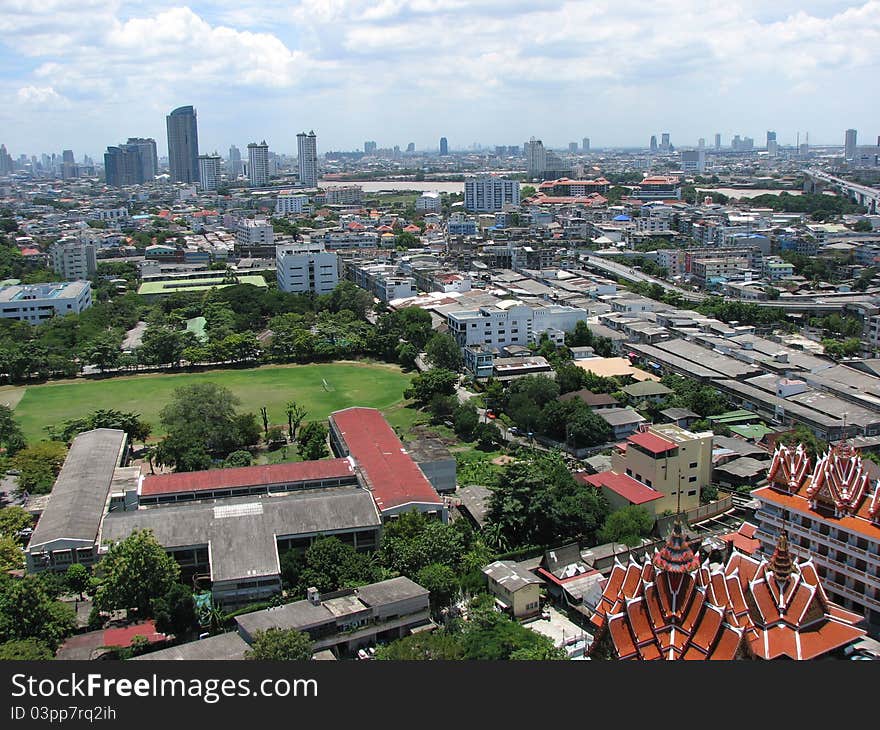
(295,416)
(103,351)
(425,646)
(162,345)
(443,352)
(264,413)
(175,612)
(25,650)
(863,225)
(11,555)
(131,423)
(465,420)
(39,465)
(414,541)
(280,645)
(800,434)
(134,572)
(312,441)
(570,377)
(488,436)
(11,437)
(425,386)
(331,565)
(406,355)
(14,520)
(347,295)
(78,578)
(440,580)
(238,458)
(627,525)
(28,611)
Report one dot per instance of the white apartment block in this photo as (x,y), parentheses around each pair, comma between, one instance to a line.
(36,303)
(73,260)
(258,164)
(287,204)
(345,195)
(254,232)
(429,202)
(209,171)
(307,148)
(490,194)
(306,267)
(111,215)
(514,324)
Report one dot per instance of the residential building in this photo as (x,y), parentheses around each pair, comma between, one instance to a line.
(623,421)
(707,271)
(258,164)
(306,268)
(234,162)
(307,149)
(585,145)
(209,171)
(517,591)
(344,195)
(693,161)
(515,324)
(461,225)
(536,158)
(831,512)
(665,145)
(349,619)
(123,166)
(73,259)
(490,194)
(775,268)
(673,605)
(659,187)
(35,303)
(149,158)
(288,203)
(849,145)
(183,145)
(253,232)
(429,202)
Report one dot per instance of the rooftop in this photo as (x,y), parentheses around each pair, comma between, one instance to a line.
(631,490)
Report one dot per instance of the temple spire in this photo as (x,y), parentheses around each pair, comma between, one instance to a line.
(677,555)
(781,563)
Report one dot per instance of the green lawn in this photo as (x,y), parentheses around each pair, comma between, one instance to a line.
(351,384)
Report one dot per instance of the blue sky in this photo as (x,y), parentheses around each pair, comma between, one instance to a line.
(86,74)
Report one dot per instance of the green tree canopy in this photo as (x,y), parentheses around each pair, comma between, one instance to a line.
(29,611)
(627,525)
(312,441)
(425,386)
(443,352)
(175,612)
(280,645)
(25,650)
(39,464)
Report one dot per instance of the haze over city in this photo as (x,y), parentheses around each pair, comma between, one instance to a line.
(81,76)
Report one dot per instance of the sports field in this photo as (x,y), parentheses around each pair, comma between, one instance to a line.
(347,384)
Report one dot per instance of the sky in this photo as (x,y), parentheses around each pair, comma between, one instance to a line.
(84,74)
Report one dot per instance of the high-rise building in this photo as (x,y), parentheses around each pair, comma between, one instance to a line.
(183,145)
(664,142)
(68,164)
(849,147)
(258,164)
(717,140)
(586,144)
(209,171)
(444,146)
(653,143)
(307,146)
(573,147)
(411,147)
(490,194)
(536,158)
(771,137)
(146,148)
(369,148)
(74,260)
(693,160)
(234,162)
(701,143)
(306,267)
(122,166)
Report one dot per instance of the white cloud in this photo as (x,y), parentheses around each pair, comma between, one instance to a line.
(41,97)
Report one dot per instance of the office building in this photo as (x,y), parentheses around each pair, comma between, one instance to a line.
(717,141)
(411,147)
(370,148)
(183,145)
(514,324)
(234,162)
(572,148)
(149,158)
(659,187)
(307,149)
(287,203)
(209,171)
(701,143)
(6,163)
(490,194)
(258,164)
(831,512)
(68,165)
(693,161)
(305,268)
(73,260)
(122,166)
(35,303)
(586,144)
(253,232)
(444,146)
(536,158)
(664,142)
(771,137)
(849,145)
(653,143)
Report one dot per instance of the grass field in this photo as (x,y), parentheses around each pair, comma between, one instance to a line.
(351,384)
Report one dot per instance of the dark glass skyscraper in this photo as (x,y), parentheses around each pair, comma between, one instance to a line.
(183,145)
(444,146)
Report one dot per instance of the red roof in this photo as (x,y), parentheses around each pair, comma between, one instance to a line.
(652,442)
(30,252)
(631,490)
(123,636)
(391,474)
(744,539)
(245,476)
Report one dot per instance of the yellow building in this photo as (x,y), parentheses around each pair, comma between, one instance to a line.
(674,464)
(516,590)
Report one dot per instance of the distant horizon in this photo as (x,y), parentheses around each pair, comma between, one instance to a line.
(88,76)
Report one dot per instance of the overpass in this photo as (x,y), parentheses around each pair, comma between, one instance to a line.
(816,180)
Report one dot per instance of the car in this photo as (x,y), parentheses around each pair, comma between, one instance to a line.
(545,615)
(514,430)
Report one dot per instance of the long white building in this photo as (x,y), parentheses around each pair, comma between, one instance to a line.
(306,267)
(36,303)
(286,203)
(490,194)
(209,171)
(511,323)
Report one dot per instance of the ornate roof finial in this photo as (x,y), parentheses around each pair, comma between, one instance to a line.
(781,563)
(677,555)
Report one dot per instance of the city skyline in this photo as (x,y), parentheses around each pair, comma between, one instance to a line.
(76,82)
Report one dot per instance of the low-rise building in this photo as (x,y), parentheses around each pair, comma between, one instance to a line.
(35,303)
(74,260)
(517,590)
(306,268)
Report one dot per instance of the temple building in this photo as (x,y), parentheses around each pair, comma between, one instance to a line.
(673,606)
(831,512)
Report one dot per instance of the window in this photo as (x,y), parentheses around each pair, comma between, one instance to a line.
(691,480)
(692,493)
(629,472)
(648,482)
(692,465)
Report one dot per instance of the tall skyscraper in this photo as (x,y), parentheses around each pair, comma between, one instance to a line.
(573,148)
(122,166)
(258,164)
(536,158)
(307,146)
(849,145)
(6,163)
(771,137)
(586,144)
(209,171)
(411,147)
(653,143)
(664,142)
(234,162)
(149,157)
(68,164)
(183,145)
(717,140)
(369,147)
(444,146)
